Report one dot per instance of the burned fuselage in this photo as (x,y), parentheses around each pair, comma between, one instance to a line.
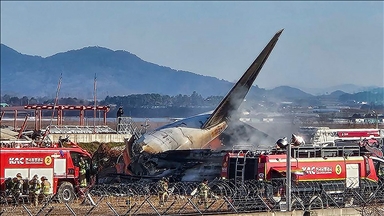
(184,134)
(197,164)
(184,165)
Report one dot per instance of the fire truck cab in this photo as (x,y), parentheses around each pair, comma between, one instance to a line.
(59,164)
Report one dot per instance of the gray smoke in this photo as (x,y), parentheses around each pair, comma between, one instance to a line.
(240,135)
(256,134)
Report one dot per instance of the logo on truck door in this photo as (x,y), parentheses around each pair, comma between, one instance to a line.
(317,170)
(33,160)
(13,160)
(16,160)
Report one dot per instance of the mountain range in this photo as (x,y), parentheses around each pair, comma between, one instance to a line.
(346,88)
(117,73)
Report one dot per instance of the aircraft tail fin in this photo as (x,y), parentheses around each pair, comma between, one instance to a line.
(238,92)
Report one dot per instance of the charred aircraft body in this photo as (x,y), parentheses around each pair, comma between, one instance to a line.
(143,156)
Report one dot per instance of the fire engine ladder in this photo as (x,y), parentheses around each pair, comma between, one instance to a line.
(240,166)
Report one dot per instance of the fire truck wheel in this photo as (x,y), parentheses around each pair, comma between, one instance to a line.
(66,193)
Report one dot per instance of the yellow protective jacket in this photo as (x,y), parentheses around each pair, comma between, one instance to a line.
(45,187)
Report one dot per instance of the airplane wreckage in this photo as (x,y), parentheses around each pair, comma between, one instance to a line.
(192,149)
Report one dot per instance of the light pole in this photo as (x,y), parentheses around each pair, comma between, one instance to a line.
(377,119)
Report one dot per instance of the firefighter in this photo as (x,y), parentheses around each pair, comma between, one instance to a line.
(45,187)
(9,184)
(19,177)
(34,188)
(203,189)
(83,171)
(163,190)
(119,114)
(17,187)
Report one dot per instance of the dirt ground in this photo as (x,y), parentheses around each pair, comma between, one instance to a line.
(120,205)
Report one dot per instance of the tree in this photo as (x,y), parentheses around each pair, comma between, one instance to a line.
(24,100)
(6,99)
(14,101)
(33,101)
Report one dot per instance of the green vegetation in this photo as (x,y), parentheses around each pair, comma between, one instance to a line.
(135,105)
(157,100)
(129,101)
(160,106)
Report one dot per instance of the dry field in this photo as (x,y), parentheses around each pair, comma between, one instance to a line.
(119,206)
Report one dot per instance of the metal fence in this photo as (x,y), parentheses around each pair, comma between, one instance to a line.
(76,129)
(141,198)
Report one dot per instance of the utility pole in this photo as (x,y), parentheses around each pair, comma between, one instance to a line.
(377,119)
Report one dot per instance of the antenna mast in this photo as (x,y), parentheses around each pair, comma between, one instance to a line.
(47,131)
(56,100)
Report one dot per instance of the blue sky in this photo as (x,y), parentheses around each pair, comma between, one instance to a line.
(323,44)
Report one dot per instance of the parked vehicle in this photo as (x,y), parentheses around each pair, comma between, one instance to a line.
(320,175)
(58,162)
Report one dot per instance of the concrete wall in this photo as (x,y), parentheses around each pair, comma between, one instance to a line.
(88,138)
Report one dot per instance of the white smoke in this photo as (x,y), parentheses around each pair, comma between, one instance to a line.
(256,134)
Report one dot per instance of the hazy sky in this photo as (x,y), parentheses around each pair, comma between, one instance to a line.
(323,44)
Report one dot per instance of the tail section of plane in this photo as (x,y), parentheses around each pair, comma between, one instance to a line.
(238,92)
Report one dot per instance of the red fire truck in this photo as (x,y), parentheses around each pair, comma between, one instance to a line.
(58,163)
(322,170)
(307,164)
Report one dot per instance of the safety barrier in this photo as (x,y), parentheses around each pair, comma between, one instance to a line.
(141,198)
